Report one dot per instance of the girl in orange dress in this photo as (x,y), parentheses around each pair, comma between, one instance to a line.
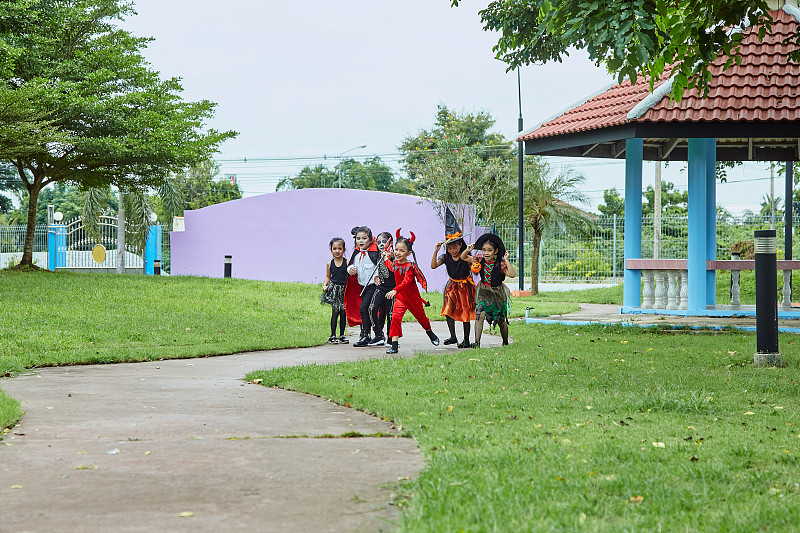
(459,293)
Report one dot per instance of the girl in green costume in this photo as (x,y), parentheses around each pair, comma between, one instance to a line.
(493,298)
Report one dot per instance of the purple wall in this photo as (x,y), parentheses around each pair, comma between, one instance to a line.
(284,236)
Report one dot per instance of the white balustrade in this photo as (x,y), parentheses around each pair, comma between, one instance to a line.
(648,296)
(673,290)
(787,290)
(684,304)
(661,290)
(735,290)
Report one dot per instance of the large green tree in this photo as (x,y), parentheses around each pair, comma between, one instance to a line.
(469,129)
(68,199)
(673,201)
(199,187)
(373,175)
(458,177)
(613,203)
(630,37)
(102,116)
(8,185)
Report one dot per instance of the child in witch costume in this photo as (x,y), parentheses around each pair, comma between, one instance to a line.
(459,293)
(333,289)
(361,283)
(380,309)
(492,297)
(406,294)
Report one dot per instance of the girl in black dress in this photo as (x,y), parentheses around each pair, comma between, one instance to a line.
(333,289)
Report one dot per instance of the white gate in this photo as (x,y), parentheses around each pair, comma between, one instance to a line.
(78,249)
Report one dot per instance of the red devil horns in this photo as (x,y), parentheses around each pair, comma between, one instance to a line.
(411,239)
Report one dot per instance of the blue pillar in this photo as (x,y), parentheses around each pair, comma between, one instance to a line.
(711,218)
(152,249)
(698,222)
(56,246)
(51,247)
(632,295)
(61,245)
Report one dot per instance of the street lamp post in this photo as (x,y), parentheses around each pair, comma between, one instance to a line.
(340,160)
(520,149)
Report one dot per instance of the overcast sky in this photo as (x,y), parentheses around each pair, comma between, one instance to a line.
(303,80)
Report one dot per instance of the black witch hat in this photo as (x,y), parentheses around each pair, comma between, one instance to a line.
(452,232)
(495,241)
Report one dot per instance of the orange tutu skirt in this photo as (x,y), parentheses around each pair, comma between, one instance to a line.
(459,300)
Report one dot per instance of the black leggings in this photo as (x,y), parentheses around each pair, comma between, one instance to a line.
(366,300)
(381,311)
(451,325)
(341,316)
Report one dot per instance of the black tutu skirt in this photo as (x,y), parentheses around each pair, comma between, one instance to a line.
(334,296)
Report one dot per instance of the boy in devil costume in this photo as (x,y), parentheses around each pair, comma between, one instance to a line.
(361,283)
(459,293)
(406,294)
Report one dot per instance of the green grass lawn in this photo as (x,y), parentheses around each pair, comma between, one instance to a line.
(591,428)
(601,295)
(10,411)
(65,318)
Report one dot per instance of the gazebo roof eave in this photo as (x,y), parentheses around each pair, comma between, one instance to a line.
(739,141)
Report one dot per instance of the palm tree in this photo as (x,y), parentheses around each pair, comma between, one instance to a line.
(134,214)
(547,199)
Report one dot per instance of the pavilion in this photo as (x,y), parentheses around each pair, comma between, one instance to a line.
(752,113)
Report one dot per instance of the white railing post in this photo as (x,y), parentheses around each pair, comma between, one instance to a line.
(647,289)
(684,292)
(661,291)
(735,290)
(787,290)
(673,291)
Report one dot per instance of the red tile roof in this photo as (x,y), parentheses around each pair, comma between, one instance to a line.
(765,87)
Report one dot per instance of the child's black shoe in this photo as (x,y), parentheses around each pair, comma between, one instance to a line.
(378,341)
(343,340)
(451,340)
(465,344)
(432,336)
(333,340)
(393,348)
(363,341)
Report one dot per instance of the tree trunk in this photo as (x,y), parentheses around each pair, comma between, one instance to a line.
(30,231)
(537,243)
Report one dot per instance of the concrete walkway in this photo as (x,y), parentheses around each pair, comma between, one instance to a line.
(133,447)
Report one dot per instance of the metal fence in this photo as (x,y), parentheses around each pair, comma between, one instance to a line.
(12,242)
(78,246)
(165,250)
(596,253)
